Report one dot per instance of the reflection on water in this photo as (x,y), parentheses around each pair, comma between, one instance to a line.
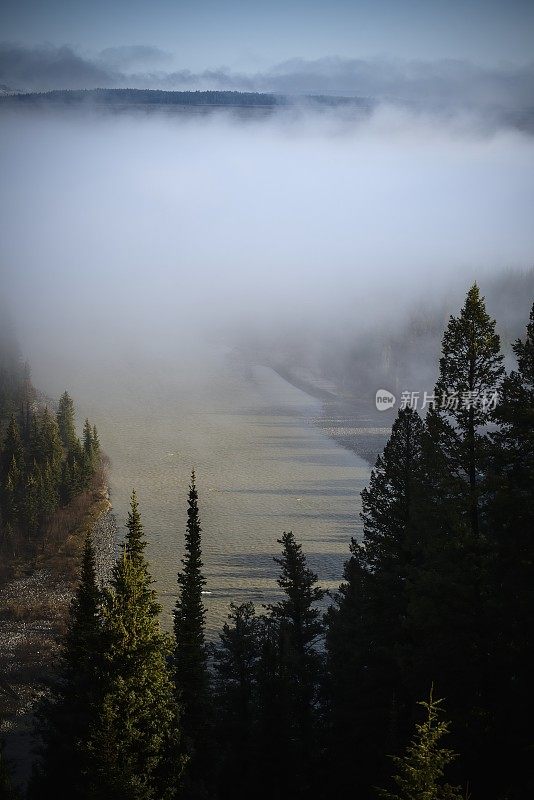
(262,467)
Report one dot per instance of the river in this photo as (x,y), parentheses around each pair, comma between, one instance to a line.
(263,466)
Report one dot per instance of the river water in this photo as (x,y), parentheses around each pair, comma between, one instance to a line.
(262,467)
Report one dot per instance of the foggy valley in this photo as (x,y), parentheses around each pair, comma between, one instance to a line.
(222,271)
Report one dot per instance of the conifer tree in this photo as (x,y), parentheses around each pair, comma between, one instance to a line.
(471,371)
(68,717)
(511,595)
(190,656)
(134,742)
(96,441)
(66,421)
(12,450)
(367,638)
(298,607)
(421,770)
(45,446)
(236,660)
(278,759)
(448,620)
(90,451)
(12,494)
(300,627)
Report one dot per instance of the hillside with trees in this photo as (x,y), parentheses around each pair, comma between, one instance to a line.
(416,684)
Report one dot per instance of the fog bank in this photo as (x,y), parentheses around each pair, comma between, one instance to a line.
(127,230)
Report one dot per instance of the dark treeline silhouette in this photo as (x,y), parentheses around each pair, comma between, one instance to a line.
(161,97)
(437,601)
(43,463)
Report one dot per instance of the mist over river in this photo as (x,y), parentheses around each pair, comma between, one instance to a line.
(262,466)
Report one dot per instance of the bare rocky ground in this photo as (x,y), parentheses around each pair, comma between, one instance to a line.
(33,616)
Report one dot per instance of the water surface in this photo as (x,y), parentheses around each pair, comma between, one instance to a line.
(262,467)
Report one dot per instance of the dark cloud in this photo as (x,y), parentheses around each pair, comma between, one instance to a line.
(47,67)
(133,56)
(446,85)
(445,81)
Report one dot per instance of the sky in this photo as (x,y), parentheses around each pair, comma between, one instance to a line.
(246,36)
(293,216)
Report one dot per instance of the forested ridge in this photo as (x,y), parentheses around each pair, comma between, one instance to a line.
(43,462)
(415,685)
(160,97)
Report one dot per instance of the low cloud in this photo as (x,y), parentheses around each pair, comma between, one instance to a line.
(47,67)
(504,94)
(134,56)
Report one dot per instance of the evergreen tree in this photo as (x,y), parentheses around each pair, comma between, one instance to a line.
(66,421)
(236,660)
(421,770)
(91,451)
(134,742)
(278,748)
(448,620)
(298,628)
(297,609)
(45,444)
(471,371)
(190,655)
(68,717)
(96,441)
(12,494)
(367,639)
(12,450)
(511,595)
(135,540)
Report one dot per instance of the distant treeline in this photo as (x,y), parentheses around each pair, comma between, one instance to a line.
(157,97)
(437,601)
(43,463)
(397,353)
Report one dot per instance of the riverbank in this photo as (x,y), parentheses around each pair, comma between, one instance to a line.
(34,606)
(352,422)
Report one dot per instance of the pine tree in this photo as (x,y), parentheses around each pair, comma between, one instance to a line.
(448,621)
(421,770)
(66,421)
(236,660)
(31,509)
(298,607)
(471,371)
(12,449)
(88,455)
(135,539)
(134,742)
(367,639)
(511,596)
(278,758)
(45,446)
(67,718)
(96,441)
(12,494)
(300,627)
(190,656)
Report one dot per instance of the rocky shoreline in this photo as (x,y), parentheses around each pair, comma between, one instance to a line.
(104,537)
(353,422)
(33,616)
